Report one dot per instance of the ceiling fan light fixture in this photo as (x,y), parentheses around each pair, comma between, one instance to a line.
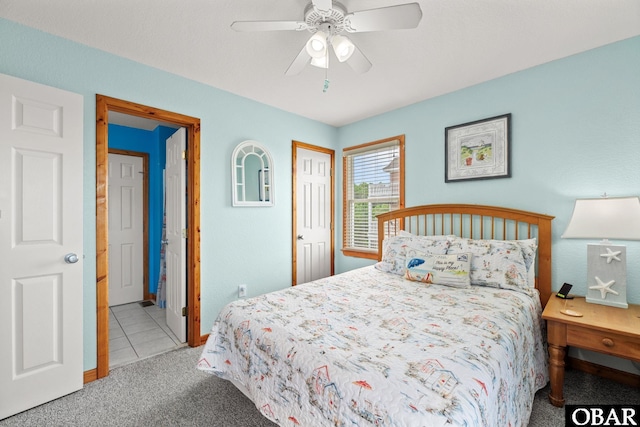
(317,45)
(326,20)
(343,47)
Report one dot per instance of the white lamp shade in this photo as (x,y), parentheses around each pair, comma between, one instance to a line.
(343,47)
(317,45)
(605,218)
(321,62)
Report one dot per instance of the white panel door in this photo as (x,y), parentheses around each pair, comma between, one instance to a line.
(41,164)
(126,272)
(176,246)
(313,222)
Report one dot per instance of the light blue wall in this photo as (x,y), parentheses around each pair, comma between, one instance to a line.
(238,245)
(575,134)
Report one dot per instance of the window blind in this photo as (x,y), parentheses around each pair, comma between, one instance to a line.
(372,186)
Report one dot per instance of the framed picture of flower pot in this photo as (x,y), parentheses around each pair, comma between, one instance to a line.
(478,150)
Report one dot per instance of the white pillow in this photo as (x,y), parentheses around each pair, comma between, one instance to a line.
(495,263)
(439,237)
(529,250)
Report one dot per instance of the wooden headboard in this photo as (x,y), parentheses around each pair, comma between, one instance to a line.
(476,222)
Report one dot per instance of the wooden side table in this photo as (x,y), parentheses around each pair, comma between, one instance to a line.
(610,330)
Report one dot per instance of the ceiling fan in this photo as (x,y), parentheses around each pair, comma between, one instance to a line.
(327,20)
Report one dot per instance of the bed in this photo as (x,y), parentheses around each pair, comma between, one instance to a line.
(445,329)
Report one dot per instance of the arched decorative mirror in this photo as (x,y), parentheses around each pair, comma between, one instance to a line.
(252,175)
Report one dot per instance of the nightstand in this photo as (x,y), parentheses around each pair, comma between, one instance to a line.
(605,329)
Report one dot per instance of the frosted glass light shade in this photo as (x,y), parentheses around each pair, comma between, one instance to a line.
(605,218)
(321,62)
(317,45)
(343,47)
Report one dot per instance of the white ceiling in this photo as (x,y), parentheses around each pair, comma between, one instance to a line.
(458,43)
(121,119)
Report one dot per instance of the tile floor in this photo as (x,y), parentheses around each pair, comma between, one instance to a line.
(137,332)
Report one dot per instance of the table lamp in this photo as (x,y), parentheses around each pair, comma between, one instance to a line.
(606,218)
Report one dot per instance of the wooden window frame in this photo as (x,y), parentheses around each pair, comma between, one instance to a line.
(361,253)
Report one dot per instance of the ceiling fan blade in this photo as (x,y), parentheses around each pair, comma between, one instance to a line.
(323,5)
(299,63)
(269,25)
(385,18)
(358,62)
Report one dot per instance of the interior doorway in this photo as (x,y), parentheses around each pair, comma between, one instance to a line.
(138,306)
(104,105)
(313,201)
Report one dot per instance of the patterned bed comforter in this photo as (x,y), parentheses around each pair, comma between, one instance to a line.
(368,348)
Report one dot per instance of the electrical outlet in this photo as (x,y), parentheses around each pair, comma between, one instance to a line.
(242,291)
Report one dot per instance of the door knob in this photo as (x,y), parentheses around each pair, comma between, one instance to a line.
(300,237)
(71,258)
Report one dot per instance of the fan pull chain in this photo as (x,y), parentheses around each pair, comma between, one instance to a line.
(326,73)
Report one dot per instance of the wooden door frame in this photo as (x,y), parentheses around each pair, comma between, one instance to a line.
(145,214)
(104,104)
(294,203)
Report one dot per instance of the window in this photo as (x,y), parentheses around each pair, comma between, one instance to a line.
(373,183)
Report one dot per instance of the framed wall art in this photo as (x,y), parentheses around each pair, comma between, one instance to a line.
(478,150)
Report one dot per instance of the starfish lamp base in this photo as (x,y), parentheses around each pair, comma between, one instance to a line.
(607,275)
(599,300)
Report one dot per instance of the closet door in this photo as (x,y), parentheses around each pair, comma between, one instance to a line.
(126,229)
(313,215)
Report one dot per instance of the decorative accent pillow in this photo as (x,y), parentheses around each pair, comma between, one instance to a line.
(495,263)
(394,251)
(450,270)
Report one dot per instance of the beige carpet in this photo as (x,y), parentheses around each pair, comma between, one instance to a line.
(167,390)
